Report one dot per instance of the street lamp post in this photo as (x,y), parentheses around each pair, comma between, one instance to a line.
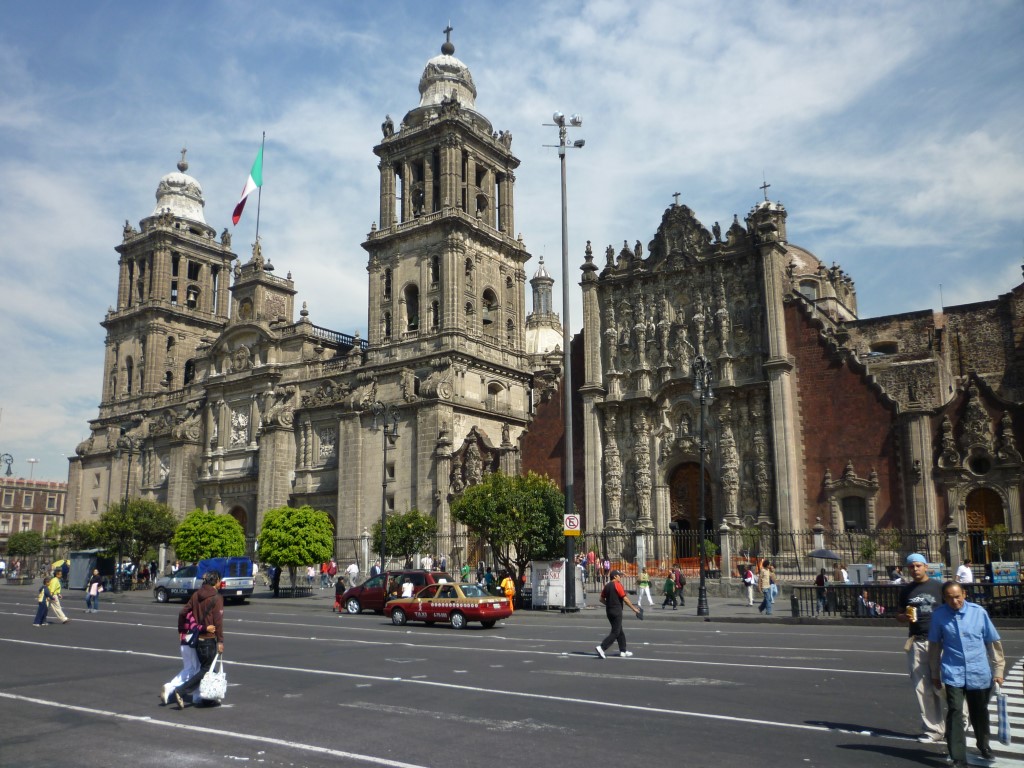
(130,443)
(570,543)
(388,417)
(32,468)
(6,458)
(702,378)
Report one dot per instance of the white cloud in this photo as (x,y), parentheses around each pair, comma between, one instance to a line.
(892,132)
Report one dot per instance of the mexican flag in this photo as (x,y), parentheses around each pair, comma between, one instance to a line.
(254,182)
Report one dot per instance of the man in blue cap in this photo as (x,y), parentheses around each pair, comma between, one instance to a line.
(920,596)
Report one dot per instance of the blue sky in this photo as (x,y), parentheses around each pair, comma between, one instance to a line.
(892,132)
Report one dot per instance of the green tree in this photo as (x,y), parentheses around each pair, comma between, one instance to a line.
(84,535)
(134,529)
(292,537)
(998,538)
(520,517)
(25,544)
(405,534)
(207,534)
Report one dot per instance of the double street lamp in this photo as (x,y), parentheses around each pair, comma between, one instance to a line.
(702,378)
(385,419)
(130,443)
(559,121)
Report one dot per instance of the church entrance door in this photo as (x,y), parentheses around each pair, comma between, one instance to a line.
(684,501)
(984,510)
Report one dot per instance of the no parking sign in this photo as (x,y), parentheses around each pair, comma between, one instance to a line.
(571,525)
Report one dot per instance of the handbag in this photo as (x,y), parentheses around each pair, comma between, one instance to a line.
(214,685)
(1003,733)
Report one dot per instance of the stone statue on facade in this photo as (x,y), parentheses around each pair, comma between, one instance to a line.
(387,127)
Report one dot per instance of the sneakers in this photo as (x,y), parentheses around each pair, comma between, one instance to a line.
(625,654)
(927,738)
(600,651)
(179,702)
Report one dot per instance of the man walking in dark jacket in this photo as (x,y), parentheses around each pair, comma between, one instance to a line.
(613,596)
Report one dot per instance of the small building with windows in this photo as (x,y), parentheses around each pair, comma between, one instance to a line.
(30,505)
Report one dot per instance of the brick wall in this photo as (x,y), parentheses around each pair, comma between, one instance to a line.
(542,446)
(842,418)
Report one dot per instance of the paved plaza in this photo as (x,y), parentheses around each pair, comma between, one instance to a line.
(312,688)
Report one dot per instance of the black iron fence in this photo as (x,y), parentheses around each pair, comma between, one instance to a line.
(726,553)
(881,601)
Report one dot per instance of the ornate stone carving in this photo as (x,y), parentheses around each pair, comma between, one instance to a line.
(1007,450)
(613,471)
(327,437)
(950,457)
(642,469)
(239,428)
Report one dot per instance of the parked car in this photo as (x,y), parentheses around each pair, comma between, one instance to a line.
(236,581)
(373,593)
(457,604)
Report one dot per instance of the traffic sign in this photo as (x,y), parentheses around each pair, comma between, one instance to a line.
(571,524)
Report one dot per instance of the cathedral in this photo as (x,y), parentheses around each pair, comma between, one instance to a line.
(215,396)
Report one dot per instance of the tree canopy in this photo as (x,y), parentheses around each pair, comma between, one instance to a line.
(207,534)
(405,534)
(520,517)
(292,537)
(81,535)
(25,543)
(136,528)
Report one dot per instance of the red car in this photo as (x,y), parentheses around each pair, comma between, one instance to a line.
(457,604)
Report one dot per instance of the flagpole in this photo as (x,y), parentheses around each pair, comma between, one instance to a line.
(259,198)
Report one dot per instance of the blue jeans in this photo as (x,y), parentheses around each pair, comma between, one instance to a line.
(769,599)
(92,602)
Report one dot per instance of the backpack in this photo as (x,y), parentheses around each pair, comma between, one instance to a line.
(680,580)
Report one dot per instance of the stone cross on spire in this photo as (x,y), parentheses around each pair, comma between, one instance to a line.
(676,196)
(183,163)
(764,188)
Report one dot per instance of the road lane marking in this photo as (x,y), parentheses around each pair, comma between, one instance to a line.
(256,738)
(579,654)
(499,692)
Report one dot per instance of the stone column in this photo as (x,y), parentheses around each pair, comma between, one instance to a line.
(387,193)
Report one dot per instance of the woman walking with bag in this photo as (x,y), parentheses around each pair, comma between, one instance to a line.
(643,587)
(208,608)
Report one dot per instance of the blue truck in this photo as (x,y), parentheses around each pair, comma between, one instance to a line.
(236,582)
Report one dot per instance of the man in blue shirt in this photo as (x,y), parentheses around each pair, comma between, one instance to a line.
(966,656)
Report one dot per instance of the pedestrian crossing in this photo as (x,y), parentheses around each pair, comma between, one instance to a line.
(1007,755)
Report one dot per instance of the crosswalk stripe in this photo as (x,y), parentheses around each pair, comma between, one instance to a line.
(1008,755)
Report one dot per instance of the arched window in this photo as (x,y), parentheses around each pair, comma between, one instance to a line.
(190,372)
(495,393)
(129,370)
(387,284)
(510,331)
(855,513)
(412,308)
(386,323)
(435,315)
(435,270)
(809,289)
(170,343)
(490,307)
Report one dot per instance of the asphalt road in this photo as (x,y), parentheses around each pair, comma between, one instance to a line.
(312,688)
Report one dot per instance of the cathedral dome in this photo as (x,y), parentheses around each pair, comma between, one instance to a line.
(444,75)
(180,194)
(542,339)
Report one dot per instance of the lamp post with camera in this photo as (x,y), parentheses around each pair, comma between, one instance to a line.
(387,416)
(129,443)
(559,121)
(702,378)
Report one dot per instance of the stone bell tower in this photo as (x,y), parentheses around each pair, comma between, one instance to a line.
(446,269)
(172,291)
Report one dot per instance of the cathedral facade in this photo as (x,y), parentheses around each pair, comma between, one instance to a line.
(216,397)
(818,417)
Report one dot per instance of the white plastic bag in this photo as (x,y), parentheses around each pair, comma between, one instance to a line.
(214,685)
